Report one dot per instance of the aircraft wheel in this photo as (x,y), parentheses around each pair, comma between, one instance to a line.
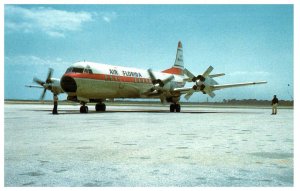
(177,107)
(100,107)
(103,107)
(84,109)
(172,107)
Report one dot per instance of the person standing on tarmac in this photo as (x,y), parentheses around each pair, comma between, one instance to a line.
(274,105)
(55,102)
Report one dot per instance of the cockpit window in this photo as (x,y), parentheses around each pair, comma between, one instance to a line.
(88,71)
(69,70)
(75,70)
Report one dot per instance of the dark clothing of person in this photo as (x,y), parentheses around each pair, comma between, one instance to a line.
(274,105)
(274,100)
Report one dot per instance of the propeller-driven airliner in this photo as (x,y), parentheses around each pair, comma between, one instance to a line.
(89,82)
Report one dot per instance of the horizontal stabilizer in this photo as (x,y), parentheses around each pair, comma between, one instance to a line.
(216,75)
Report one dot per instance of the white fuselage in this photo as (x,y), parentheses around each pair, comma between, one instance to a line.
(101,81)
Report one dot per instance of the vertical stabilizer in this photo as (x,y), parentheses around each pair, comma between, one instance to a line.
(178,66)
(179,57)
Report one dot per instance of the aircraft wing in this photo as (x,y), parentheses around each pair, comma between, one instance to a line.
(218,87)
(211,88)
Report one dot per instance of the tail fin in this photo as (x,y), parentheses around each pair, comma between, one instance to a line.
(178,66)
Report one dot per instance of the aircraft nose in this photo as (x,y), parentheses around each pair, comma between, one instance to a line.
(68,84)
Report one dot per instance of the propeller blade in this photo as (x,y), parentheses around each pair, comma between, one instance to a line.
(168,79)
(189,94)
(188,73)
(43,94)
(191,77)
(207,71)
(38,81)
(211,94)
(33,86)
(163,99)
(153,79)
(50,72)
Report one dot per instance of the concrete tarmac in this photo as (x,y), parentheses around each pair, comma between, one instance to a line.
(147,146)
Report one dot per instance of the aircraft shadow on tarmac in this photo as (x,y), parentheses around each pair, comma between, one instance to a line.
(63,112)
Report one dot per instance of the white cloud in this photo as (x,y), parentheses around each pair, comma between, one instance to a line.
(54,23)
(109,16)
(32,61)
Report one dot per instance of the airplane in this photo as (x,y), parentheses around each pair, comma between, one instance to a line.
(90,82)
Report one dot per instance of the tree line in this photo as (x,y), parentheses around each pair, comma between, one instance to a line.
(251,102)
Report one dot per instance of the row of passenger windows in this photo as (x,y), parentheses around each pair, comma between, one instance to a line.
(117,78)
(79,70)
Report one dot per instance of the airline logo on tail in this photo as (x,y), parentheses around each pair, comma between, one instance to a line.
(179,57)
(178,66)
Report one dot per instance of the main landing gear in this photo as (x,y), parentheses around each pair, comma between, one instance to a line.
(98,107)
(175,107)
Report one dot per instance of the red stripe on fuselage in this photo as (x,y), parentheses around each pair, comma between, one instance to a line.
(107,77)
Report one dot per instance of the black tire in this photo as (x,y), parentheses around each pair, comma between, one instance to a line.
(97,107)
(103,107)
(84,109)
(100,107)
(177,107)
(172,107)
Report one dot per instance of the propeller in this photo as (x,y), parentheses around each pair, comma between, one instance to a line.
(202,82)
(158,83)
(47,85)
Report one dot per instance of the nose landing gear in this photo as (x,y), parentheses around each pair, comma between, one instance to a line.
(84,108)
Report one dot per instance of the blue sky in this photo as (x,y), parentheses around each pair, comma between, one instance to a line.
(247,42)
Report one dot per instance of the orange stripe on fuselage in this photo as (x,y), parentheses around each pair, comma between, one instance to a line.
(107,77)
(174,70)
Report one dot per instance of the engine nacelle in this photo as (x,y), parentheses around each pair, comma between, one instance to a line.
(55,86)
(204,84)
